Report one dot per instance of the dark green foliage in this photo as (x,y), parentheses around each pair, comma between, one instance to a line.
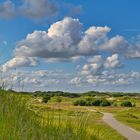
(126,104)
(96,102)
(92,102)
(46,98)
(105,103)
(88,103)
(56,93)
(82,102)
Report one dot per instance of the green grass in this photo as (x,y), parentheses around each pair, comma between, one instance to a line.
(25,117)
(130,117)
(94,124)
(17,122)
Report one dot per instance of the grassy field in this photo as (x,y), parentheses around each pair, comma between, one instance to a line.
(130,117)
(26,117)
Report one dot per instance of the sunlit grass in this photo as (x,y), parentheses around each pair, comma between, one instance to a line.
(25,117)
(130,116)
(17,122)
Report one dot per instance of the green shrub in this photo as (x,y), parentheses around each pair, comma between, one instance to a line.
(88,103)
(134,105)
(115,104)
(126,104)
(82,102)
(92,102)
(105,103)
(96,102)
(46,98)
(58,99)
(76,103)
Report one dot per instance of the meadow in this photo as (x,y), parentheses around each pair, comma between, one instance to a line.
(34,116)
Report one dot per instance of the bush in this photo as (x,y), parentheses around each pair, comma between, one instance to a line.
(134,105)
(96,102)
(76,103)
(88,103)
(115,104)
(126,104)
(46,98)
(92,102)
(58,99)
(80,102)
(105,103)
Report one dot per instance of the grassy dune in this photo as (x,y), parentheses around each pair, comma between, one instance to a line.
(130,117)
(17,122)
(24,117)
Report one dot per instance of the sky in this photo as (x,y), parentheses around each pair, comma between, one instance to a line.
(70,45)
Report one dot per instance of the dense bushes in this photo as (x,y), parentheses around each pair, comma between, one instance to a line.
(126,104)
(56,93)
(100,102)
(46,98)
(80,102)
(96,102)
(105,103)
(93,102)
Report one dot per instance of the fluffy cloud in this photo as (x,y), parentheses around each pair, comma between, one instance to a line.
(93,66)
(107,78)
(35,9)
(65,41)
(59,42)
(133,52)
(19,62)
(38,8)
(7,9)
(97,64)
(112,61)
(61,80)
(75,81)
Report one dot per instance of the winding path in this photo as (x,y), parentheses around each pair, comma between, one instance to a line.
(121,128)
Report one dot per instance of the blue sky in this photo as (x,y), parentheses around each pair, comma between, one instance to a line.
(70,45)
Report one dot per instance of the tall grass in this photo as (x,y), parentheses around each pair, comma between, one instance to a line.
(17,122)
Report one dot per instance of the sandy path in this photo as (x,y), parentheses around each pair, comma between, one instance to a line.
(121,128)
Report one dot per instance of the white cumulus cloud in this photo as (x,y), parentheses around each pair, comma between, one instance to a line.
(19,62)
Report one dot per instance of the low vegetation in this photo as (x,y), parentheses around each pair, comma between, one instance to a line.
(130,117)
(19,122)
(46,98)
(60,116)
(126,104)
(92,102)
